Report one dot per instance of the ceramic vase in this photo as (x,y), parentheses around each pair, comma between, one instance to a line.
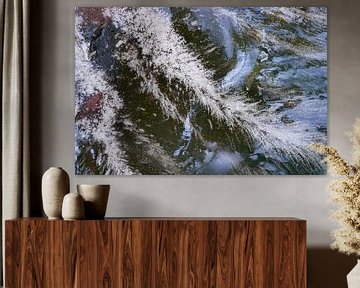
(353,278)
(55,185)
(73,207)
(96,198)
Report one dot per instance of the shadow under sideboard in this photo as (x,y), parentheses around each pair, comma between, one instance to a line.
(328,268)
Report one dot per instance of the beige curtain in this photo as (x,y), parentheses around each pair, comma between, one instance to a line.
(14,28)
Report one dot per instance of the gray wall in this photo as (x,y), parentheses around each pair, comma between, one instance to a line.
(52,124)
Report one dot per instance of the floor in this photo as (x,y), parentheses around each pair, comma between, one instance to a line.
(328,268)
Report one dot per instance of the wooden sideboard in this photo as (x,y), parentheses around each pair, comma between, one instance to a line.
(156,252)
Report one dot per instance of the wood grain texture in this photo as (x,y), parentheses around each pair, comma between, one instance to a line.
(232,252)
(55,254)
(71,247)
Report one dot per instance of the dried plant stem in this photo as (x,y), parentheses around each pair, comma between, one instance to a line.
(345,191)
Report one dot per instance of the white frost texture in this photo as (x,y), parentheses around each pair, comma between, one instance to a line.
(89,81)
(166,90)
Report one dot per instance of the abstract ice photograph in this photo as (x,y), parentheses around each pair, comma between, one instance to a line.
(200,90)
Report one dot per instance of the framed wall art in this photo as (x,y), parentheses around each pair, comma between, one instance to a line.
(200,90)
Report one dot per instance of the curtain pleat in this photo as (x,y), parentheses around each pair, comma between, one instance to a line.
(15,111)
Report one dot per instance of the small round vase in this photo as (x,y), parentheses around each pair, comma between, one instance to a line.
(96,198)
(55,185)
(73,207)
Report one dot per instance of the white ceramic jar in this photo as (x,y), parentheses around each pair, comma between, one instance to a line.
(353,278)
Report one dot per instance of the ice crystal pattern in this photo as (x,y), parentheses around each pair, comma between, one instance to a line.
(170,90)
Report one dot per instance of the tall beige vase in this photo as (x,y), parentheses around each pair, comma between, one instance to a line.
(96,198)
(55,185)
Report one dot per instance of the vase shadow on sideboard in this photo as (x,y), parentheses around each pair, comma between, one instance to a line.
(328,268)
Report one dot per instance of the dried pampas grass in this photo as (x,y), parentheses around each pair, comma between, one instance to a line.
(345,191)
